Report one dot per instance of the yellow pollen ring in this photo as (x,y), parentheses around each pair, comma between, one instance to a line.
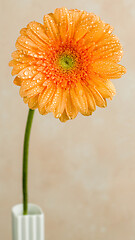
(66,62)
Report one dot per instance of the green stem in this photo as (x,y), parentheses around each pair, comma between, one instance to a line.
(25,160)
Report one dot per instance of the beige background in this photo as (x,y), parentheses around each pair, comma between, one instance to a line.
(82,173)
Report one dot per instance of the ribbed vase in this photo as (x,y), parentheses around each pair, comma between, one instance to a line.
(27,227)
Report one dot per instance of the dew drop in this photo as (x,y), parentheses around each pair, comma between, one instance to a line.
(26,73)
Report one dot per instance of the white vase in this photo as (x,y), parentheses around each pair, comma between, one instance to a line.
(27,227)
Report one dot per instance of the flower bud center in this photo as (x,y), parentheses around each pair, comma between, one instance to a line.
(66,62)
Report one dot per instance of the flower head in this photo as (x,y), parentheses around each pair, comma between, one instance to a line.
(64,65)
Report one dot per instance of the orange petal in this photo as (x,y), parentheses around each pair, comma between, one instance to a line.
(71,109)
(28,72)
(39,78)
(88,23)
(104,86)
(100,101)
(79,98)
(26,100)
(23,31)
(51,28)
(39,31)
(31,92)
(41,45)
(29,84)
(90,100)
(33,102)
(108,49)
(27,50)
(26,43)
(110,86)
(54,100)
(74,16)
(104,90)
(94,33)
(62,18)
(30,88)
(17,81)
(19,56)
(108,69)
(108,28)
(44,98)
(61,101)
(64,117)
(17,67)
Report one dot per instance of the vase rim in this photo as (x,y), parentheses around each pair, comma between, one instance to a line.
(33,209)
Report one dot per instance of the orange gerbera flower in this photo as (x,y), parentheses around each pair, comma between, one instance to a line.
(64,65)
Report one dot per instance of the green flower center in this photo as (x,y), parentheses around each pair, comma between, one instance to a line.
(67,62)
